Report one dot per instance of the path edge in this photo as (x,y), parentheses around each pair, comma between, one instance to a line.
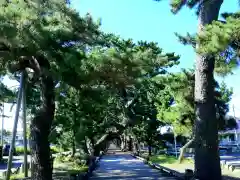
(172,172)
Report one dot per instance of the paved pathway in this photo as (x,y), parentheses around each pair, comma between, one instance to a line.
(17,161)
(123,166)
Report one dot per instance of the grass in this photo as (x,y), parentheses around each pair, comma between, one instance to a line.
(54,149)
(163,159)
(172,163)
(60,169)
(67,169)
(69,165)
(18,176)
(62,166)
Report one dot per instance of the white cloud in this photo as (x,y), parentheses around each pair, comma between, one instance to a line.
(9,121)
(9,82)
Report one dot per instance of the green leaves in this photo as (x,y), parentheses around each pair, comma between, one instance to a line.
(221,40)
(215,38)
(177,5)
(218,43)
(181,115)
(97,74)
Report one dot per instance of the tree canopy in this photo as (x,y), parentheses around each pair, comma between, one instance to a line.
(86,87)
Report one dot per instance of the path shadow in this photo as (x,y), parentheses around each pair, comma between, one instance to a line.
(124,166)
(230,178)
(3,166)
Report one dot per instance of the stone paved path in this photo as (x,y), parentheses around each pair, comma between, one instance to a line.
(118,165)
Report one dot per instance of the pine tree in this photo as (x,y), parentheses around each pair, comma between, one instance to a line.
(38,35)
(222,37)
(207,161)
(63,48)
(181,88)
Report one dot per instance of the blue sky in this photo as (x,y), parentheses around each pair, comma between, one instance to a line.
(153,21)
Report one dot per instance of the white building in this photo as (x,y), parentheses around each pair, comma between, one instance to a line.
(231,137)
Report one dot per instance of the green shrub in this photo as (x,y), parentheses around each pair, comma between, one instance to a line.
(17,176)
(20,150)
(78,159)
(60,158)
(55,149)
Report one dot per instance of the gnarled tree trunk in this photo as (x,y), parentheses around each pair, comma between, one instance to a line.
(85,147)
(73,147)
(123,144)
(149,149)
(40,130)
(74,131)
(207,161)
(136,146)
(130,144)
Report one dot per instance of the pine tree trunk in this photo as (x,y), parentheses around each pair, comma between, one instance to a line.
(130,144)
(149,149)
(136,146)
(183,150)
(122,142)
(125,143)
(40,130)
(73,147)
(74,131)
(85,147)
(207,161)
(95,149)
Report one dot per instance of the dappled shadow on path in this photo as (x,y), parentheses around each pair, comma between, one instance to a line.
(15,164)
(124,166)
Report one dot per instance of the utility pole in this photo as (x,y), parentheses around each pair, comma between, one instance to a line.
(2,125)
(25,164)
(2,141)
(236,136)
(10,157)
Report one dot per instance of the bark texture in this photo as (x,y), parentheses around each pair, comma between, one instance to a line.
(85,147)
(73,147)
(74,131)
(40,130)
(207,161)
(136,148)
(149,150)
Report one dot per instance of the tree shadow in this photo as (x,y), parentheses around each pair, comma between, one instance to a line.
(123,166)
(230,178)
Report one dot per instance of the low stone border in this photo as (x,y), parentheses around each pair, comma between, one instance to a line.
(187,176)
(230,165)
